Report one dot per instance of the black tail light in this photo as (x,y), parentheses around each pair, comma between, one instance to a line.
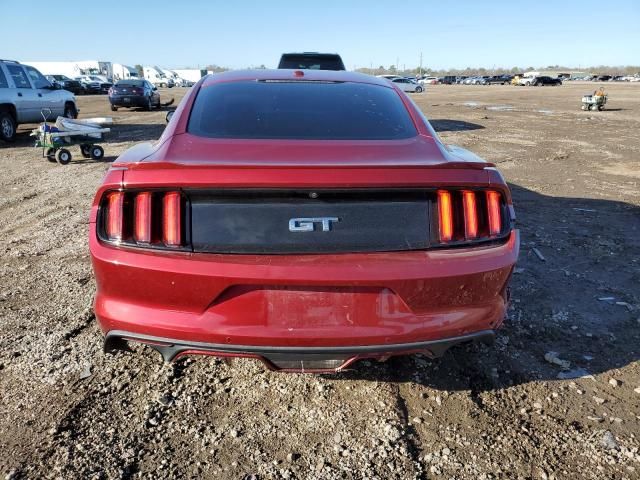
(151,219)
(469,216)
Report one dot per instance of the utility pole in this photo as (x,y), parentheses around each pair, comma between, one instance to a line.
(420,64)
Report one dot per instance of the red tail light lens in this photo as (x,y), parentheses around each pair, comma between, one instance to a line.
(171,219)
(142,218)
(148,219)
(446,215)
(470,214)
(493,210)
(114,220)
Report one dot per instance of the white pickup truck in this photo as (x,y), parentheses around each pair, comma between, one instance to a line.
(24,93)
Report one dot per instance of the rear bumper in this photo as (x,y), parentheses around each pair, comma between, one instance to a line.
(365,304)
(301,359)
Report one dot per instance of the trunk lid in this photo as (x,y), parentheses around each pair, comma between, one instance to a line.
(189,150)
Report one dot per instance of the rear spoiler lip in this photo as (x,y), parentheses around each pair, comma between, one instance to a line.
(172,164)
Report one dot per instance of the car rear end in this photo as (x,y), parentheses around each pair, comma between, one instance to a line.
(307,254)
(128,93)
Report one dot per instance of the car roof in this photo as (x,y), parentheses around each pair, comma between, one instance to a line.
(286,74)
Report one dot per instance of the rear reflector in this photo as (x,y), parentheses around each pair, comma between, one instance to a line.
(470,214)
(142,218)
(446,215)
(171,219)
(493,209)
(114,218)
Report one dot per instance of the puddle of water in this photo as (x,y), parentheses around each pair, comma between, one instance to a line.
(546,112)
(470,104)
(500,108)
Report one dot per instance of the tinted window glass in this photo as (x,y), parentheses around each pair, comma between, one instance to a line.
(3,80)
(300,110)
(37,78)
(19,77)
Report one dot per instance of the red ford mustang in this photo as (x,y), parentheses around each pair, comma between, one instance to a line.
(305,218)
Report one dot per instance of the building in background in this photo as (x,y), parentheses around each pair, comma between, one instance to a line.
(74,69)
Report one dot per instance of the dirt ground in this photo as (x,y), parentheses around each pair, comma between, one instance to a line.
(69,411)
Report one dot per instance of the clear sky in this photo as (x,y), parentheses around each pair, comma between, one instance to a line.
(238,34)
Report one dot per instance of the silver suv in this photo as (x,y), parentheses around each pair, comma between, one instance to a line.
(24,92)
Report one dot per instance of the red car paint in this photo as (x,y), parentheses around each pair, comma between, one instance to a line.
(300,307)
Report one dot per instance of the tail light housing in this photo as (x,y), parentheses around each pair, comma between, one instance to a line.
(147,218)
(466,216)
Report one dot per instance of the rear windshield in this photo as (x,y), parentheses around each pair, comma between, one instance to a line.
(130,83)
(300,110)
(311,62)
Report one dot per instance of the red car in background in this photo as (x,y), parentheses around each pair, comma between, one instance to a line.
(304,218)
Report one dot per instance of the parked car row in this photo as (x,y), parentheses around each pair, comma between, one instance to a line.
(100,84)
(82,84)
(465,80)
(538,81)
(491,80)
(406,84)
(608,78)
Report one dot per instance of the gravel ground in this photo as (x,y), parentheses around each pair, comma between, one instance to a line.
(557,396)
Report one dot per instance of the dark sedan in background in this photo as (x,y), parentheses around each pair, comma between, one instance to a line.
(66,83)
(134,93)
(542,81)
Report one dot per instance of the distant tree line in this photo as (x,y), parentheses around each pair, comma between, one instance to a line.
(469,71)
